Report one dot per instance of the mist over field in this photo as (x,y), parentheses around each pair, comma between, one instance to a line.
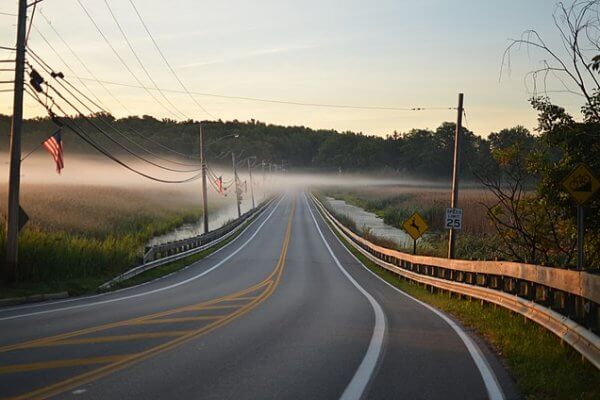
(98,171)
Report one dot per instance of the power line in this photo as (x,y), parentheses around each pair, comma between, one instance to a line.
(30,22)
(62,60)
(108,136)
(95,79)
(55,75)
(167,62)
(81,62)
(140,61)
(116,53)
(76,128)
(104,133)
(287,102)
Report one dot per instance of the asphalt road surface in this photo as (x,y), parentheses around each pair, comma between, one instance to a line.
(282,312)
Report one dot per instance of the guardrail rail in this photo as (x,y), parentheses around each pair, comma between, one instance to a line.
(165,253)
(565,302)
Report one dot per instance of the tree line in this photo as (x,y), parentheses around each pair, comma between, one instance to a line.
(418,152)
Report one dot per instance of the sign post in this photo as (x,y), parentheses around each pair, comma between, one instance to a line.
(415,226)
(581,184)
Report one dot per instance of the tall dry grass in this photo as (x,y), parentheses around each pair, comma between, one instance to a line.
(396,203)
(79,236)
(99,210)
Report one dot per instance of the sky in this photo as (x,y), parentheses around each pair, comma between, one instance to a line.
(380,53)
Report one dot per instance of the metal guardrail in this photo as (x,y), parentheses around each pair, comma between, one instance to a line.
(536,292)
(166,253)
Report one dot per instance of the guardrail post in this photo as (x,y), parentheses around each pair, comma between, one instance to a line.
(592,316)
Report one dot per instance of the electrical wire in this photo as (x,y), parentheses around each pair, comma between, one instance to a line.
(109,137)
(141,64)
(104,133)
(51,71)
(102,106)
(285,102)
(84,65)
(85,137)
(30,22)
(167,62)
(62,60)
(116,53)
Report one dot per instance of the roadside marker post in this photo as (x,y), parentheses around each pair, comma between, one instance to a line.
(415,226)
(581,184)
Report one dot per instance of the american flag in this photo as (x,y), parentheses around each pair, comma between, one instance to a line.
(54,146)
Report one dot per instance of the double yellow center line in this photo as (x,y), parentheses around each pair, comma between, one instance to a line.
(239,303)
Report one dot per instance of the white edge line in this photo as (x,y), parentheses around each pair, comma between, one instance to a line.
(368,365)
(489,378)
(161,289)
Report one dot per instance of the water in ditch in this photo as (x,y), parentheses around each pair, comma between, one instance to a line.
(365,219)
(216,219)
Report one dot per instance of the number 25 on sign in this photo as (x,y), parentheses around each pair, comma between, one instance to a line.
(453,218)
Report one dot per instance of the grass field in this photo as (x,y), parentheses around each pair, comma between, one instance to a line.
(394,204)
(79,236)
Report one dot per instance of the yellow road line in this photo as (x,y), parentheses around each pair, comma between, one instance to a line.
(180,319)
(49,341)
(242,298)
(224,306)
(268,283)
(61,364)
(119,338)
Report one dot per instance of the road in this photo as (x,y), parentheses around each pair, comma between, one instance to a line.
(282,312)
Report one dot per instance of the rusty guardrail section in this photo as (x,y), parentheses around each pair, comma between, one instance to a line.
(165,253)
(562,301)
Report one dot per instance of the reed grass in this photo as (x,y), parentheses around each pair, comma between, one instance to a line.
(80,236)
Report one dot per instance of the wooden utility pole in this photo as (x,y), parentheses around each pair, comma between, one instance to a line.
(14,182)
(204,191)
(455,171)
(237,188)
(251,184)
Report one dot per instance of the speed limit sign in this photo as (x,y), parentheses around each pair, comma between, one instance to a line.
(453,218)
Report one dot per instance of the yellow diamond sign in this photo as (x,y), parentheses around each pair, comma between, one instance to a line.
(415,226)
(581,184)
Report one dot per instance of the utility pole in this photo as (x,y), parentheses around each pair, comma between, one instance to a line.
(204,191)
(251,185)
(14,182)
(455,171)
(237,188)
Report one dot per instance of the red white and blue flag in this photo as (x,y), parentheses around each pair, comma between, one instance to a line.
(54,146)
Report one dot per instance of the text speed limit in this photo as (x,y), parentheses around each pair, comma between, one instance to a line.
(453,218)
